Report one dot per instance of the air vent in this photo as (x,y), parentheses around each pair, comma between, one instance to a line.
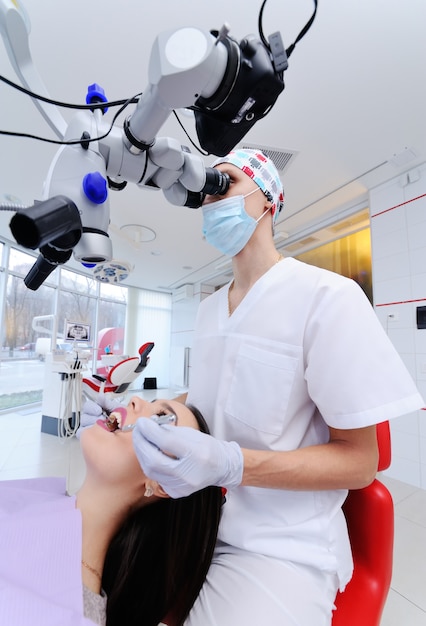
(402,158)
(280,158)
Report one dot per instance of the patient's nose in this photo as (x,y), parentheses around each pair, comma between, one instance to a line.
(137,403)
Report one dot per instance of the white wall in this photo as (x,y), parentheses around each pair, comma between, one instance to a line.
(398,235)
(184,313)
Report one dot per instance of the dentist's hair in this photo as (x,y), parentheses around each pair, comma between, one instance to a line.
(158,561)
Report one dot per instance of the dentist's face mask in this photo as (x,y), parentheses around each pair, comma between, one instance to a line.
(226,224)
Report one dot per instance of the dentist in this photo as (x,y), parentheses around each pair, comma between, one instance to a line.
(292,370)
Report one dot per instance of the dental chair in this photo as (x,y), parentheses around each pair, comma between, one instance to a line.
(120,376)
(370,517)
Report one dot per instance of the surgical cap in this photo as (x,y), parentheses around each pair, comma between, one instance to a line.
(261,169)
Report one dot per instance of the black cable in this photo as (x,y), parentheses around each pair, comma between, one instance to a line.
(303,31)
(65,105)
(187,134)
(74,141)
(299,36)
(260,26)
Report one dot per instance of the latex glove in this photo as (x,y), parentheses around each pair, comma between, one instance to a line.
(92,411)
(191,460)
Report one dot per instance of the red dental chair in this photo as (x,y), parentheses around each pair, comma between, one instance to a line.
(370,518)
(120,376)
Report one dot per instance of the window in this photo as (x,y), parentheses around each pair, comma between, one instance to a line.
(73,297)
(65,294)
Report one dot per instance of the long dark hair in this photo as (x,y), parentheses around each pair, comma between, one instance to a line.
(158,561)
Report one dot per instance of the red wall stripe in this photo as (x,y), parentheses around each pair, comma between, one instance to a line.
(399,205)
(401,302)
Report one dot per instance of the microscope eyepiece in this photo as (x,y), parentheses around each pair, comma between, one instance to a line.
(217,182)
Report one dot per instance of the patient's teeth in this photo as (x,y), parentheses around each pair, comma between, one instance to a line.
(112,421)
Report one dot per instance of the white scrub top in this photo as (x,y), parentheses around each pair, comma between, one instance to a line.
(304,350)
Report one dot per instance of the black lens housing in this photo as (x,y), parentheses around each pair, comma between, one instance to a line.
(248,91)
(46,263)
(54,219)
(217,182)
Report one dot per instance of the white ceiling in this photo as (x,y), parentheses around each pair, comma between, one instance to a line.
(355,97)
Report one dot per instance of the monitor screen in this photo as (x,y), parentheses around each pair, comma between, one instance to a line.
(76,331)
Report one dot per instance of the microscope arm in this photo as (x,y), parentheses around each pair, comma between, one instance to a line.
(15,29)
(185,64)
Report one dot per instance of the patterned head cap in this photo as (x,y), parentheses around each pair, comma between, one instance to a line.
(261,169)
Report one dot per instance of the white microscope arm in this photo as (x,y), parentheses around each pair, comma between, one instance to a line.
(15,28)
(185,64)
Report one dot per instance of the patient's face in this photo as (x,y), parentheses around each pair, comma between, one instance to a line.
(110,456)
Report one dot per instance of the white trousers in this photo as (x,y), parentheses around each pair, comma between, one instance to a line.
(249,589)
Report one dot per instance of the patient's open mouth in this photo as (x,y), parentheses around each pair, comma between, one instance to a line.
(114,420)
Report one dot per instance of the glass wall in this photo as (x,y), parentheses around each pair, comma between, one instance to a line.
(112,306)
(65,297)
(22,304)
(77,300)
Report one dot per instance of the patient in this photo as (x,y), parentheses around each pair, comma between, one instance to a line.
(148,553)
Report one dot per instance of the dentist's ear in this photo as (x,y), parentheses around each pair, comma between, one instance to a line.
(268,204)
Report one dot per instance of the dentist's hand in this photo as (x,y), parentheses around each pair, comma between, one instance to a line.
(191,460)
(92,411)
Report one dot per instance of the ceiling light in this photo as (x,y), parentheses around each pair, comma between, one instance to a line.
(139,233)
(112,271)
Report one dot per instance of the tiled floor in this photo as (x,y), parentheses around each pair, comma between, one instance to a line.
(26,452)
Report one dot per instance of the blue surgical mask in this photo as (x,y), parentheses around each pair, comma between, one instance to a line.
(226,224)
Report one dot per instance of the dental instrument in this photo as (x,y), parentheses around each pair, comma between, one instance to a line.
(170,418)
